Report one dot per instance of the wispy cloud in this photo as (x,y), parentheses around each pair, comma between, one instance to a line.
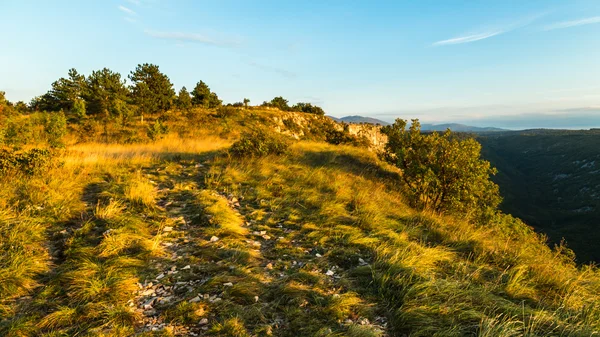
(488,32)
(468,38)
(127,10)
(573,23)
(276,70)
(192,37)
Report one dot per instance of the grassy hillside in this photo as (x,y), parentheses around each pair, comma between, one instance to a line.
(178,237)
(551,180)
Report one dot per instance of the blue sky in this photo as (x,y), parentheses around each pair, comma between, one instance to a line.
(441,61)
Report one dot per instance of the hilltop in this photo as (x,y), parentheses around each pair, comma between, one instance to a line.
(174,236)
(135,211)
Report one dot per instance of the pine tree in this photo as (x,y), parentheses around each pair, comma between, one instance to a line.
(152,91)
(106,94)
(184,101)
(202,96)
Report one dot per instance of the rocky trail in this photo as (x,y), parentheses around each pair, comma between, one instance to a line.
(258,267)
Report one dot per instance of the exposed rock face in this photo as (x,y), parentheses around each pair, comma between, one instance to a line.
(371,132)
(297,125)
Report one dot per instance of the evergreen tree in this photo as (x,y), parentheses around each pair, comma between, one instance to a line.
(202,96)
(184,101)
(64,92)
(106,93)
(151,90)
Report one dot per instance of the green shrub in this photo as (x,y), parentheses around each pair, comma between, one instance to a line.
(227,111)
(338,137)
(29,162)
(18,132)
(259,143)
(55,127)
(157,130)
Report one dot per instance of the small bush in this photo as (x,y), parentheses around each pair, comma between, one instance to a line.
(259,143)
(55,127)
(338,137)
(227,111)
(29,162)
(157,130)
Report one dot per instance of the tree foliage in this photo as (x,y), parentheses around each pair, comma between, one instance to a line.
(151,90)
(442,172)
(279,103)
(184,101)
(308,108)
(66,91)
(202,96)
(106,93)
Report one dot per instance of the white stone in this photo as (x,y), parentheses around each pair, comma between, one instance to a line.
(214,239)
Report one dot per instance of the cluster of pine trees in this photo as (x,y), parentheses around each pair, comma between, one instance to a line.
(105,94)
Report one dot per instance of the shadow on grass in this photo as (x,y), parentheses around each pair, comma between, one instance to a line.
(361,166)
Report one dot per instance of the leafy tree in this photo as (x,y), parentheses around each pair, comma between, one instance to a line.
(246,101)
(184,101)
(280,103)
(106,94)
(151,90)
(308,108)
(202,96)
(441,172)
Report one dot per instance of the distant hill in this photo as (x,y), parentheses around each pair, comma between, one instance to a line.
(458,128)
(425,127)
(359,119)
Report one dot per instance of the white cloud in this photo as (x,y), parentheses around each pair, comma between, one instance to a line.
(573,23)
(127,10)
(192,37)
(490,31)
(468,38)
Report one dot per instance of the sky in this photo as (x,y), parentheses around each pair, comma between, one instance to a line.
(506,63)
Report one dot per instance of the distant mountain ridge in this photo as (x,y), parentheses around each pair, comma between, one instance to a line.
(359,119)
(458,128)
(425,127)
